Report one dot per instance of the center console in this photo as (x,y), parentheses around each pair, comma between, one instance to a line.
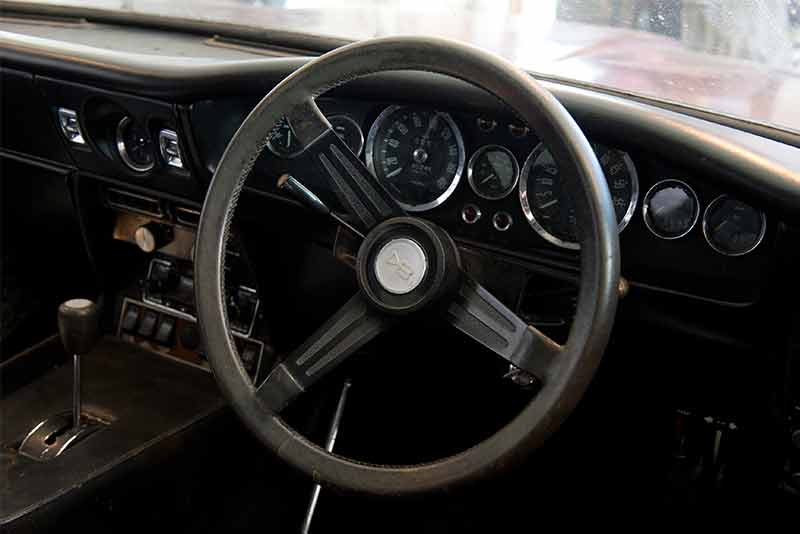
(157,311)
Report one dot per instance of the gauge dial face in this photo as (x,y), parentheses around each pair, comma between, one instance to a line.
(348,131)
(135,146)
(550,209)
(493,172)
(282,141)
(670,209)
(732,227)
(417,154)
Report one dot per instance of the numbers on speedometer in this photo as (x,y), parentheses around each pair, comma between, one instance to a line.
(549,207)
(417,154)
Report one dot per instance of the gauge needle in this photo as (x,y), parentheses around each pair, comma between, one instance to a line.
(395,172)
(548,204)
(487,178)
(431,125)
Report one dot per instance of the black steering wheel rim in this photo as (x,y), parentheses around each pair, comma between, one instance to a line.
(567,377)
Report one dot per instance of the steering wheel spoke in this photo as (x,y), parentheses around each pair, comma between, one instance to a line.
(348,330)
(326,155)
(477,313)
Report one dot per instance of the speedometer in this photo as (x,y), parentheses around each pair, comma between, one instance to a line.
(417,154)
(548,206)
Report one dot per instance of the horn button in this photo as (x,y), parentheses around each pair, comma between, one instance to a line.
(405,264)
(400,265)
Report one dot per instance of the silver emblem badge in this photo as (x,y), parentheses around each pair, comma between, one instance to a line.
(400,265)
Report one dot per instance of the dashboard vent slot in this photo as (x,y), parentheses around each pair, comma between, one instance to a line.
(37,19)
(135,202)
(254,47)
(187,216)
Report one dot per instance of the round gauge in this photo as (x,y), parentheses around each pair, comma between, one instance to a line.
(732,227)
(670,209)
(417,154)
(282,141)
(134,145)
(349,132)
(550,209)
(492,172)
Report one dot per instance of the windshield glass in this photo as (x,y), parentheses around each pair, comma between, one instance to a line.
(736,57)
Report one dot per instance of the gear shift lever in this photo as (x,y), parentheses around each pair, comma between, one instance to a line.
(78,325)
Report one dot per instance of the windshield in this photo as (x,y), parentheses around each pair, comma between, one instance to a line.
(736,57)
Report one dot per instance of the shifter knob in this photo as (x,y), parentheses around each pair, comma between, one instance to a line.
(78,325)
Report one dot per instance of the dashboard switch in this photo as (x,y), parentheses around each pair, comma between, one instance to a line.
(502,221)
(470,214)
(165,331)
(131,318)
(68,121)
(190,337)
(169,148)
(148,324)
(249,357)
(153,236)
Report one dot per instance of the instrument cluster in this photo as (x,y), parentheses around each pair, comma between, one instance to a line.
(465,169)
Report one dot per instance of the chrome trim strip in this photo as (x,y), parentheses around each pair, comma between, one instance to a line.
(158,212)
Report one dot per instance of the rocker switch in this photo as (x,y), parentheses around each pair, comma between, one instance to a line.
(131,318)
(148,324)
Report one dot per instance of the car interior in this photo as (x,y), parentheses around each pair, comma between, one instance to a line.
(276,282)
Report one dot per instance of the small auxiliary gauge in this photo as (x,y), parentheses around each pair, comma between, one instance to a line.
(732,227)
(282,141)
(670,209)
(348,131)
(493,172)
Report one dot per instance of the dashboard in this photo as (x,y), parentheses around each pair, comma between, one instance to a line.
(698,204)
(489,180)
(421,156)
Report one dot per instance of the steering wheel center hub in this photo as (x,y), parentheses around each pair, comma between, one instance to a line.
(401,265)
(405,264)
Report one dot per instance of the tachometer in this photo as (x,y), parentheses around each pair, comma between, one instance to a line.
(549,208)
(417,154)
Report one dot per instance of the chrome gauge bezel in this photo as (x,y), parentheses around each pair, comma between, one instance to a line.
(645,207)
(123,151)
(547,236)
(474,159)
(352,121)
(761,234)
(370,154)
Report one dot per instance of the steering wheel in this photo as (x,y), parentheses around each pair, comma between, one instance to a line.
(407,264)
